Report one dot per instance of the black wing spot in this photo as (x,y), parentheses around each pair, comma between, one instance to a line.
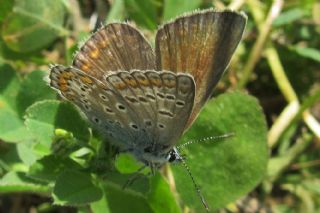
(121,107)
(170,97)
(143,99)
(166,113)
(160,95)
(151,97)
(131,99)
(96,120)
(103,97)
(108,110)
(180,103)
(86,107)
(161,126)
(134,126)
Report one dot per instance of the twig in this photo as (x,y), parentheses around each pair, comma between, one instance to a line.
(236,4)
(282,123)
(255,54)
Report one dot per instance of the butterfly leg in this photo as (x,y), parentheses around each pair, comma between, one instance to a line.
(134,177)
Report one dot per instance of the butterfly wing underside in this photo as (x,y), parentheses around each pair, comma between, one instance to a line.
(114,47)
(132,109)
(200,44)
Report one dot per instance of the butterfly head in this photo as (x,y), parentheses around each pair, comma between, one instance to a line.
(156,155)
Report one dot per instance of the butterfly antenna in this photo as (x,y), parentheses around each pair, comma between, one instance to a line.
(204,202)
(228,135)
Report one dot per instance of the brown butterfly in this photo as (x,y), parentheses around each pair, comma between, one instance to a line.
(142,100)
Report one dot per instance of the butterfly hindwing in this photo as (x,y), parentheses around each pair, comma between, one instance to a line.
(103,106)
(136,108)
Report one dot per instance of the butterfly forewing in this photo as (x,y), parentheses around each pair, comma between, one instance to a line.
(114,47)
(200,44)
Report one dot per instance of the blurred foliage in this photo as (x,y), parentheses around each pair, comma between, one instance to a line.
(49,153)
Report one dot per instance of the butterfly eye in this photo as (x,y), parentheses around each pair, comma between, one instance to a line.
(148,149)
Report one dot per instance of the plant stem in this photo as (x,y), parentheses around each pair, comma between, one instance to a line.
(255,54)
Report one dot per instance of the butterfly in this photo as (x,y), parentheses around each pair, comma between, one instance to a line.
(143,100)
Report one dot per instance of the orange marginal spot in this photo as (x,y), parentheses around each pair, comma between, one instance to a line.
(156,82)
(86,80)
(103,44)
(85,67)
(94,53)
(63,84)
(120,86)
(67,75)
(131,82)
(143,82)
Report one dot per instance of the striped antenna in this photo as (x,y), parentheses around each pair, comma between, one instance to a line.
(197,188)
(211,138)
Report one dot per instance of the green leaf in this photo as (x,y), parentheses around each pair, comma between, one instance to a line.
(228,169)
(18,182)
(6,7)
(32,89)
(101,206)
(143,12)
(15,96)
(42,118)
(288,17)
(307,52)
(171,10)
(32,26)
(140,184)
(26,153)
(75,188)
(49,167)
(160,197)
(9,87)
(12,127)
(126,163)
(117,12)
(125,201)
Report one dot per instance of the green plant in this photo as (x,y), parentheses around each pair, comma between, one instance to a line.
(47,148)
